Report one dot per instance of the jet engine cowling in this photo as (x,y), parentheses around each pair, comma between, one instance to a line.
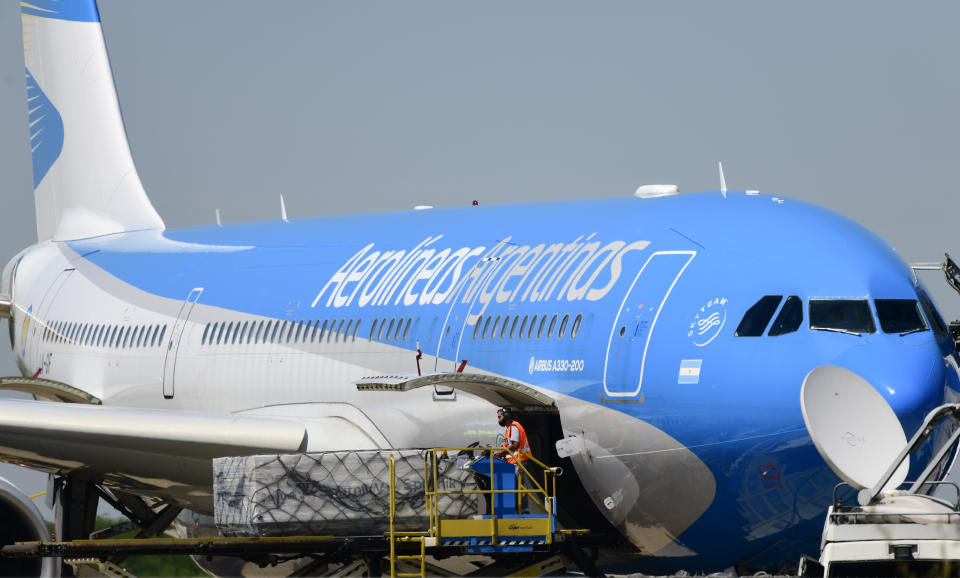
(22,522)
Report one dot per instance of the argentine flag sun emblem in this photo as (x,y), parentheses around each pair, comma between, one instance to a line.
(690,371)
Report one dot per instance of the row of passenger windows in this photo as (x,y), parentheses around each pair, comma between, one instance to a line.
(395,329)
(102,335)
(533,327)
(304,331)
(853,316)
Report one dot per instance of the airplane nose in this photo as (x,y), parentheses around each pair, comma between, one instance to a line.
(910,378)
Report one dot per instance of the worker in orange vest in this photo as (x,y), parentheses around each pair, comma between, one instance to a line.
(515,446)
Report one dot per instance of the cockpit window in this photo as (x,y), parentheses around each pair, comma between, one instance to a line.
(900,316)
(939,327)
(756,318)
(790,317)
(843,315)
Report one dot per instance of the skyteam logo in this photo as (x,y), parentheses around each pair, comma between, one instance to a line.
(23,332)
(708,321)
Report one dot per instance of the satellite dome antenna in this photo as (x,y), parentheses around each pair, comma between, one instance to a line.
(853,427)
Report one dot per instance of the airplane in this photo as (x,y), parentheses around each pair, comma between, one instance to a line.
(655,343)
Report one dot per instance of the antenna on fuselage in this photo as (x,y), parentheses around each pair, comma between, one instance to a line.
(219,224)
(283,210)
(723,181)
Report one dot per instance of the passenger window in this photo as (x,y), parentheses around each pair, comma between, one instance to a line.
(503,328)
(406,330)
(563,326)
(513,326)
(112,342)
(486,326)
(162,333)
(229,334)
(755,320)
(575,328)
(493,330)
(273,334)
(383,323)
(356,329)
(316,330)
(373,327)
(223,327)
(139,334)
(900,316)
(476,328)
(842,315)
(533,326)
(396,335)
(553,323)
(126,336)
(543,322)
(789,319)
(306,331)
(347,331)
(206,331)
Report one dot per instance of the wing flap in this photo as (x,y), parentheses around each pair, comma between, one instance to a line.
(148,449)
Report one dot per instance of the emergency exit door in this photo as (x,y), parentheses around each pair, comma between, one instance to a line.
(460,318)
(633,328)
(173,343)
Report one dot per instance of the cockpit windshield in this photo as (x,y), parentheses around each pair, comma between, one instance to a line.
(900,316)
(843,315)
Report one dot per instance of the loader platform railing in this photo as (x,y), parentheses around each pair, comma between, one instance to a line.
(503,529)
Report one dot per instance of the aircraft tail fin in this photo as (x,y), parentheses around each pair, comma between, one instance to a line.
(85,182)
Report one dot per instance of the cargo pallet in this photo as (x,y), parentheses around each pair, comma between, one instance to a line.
(527,544)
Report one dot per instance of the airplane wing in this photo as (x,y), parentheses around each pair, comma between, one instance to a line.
(153,451)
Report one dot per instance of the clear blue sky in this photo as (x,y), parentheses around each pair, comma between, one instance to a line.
(367,106)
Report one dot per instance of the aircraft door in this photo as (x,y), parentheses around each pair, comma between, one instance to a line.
(633,328)
(459,319)
(173,344)
(42,313)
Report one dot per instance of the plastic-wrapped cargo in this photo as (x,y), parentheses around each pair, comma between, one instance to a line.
(340,493)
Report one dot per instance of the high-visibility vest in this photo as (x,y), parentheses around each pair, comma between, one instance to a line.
(524,448)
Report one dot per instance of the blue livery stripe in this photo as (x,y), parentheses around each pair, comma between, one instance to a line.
(73,10)
(46,130)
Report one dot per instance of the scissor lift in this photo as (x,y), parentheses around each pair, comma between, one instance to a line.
(503,530)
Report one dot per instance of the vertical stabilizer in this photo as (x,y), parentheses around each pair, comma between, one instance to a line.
(85,183)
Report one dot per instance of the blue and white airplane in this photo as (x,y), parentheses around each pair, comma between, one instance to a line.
(661,339)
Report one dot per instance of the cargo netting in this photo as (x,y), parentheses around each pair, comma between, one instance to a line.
(332,493)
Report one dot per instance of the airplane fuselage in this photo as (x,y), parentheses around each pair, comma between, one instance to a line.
(626,312)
